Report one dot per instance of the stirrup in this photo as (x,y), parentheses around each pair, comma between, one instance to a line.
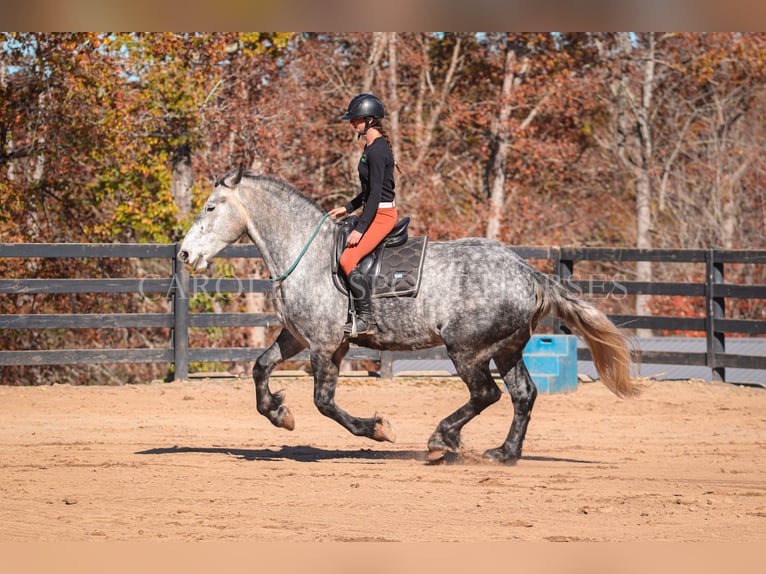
(353,326)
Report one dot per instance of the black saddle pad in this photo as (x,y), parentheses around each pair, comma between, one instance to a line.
(397,273)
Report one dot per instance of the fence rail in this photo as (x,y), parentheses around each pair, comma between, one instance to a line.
(179,287)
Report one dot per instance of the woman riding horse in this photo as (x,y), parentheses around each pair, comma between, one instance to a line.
(379,215)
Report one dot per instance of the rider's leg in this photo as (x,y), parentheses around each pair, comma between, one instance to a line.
(361,293)
(359,286)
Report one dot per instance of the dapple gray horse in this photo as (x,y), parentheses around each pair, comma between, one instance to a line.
(477,298)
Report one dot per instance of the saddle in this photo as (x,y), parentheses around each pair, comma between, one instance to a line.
(394,266)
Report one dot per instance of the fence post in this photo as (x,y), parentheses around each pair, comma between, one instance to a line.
(179,287)
(715,308)
(564,270)
(386,370)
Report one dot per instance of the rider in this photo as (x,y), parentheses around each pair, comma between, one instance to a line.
(376,174)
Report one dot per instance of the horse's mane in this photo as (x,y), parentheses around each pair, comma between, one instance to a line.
(291,193)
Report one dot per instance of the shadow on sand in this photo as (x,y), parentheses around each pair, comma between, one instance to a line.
(313,454)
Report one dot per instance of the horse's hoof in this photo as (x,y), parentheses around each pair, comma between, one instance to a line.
(444,443)
(435,456)
(501,457)
(286,418)
(384,431)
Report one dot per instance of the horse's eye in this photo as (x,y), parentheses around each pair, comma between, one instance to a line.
(210,207)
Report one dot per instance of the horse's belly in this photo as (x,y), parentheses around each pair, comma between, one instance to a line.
(403,324)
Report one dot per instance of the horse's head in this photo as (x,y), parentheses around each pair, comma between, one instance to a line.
(221,222)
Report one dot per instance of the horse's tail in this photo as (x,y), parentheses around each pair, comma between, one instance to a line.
(608,347)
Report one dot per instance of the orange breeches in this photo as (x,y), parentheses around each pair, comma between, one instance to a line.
(384,222)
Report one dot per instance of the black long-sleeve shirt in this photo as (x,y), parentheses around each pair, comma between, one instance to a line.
(376,174)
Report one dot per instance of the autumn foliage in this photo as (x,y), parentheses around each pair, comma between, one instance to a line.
(597,139)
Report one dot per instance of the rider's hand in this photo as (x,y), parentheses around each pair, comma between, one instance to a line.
(338,212)
(353,238)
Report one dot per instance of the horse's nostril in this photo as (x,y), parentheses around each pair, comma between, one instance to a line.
(183,256)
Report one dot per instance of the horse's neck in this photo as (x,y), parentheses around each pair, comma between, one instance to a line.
(281,225)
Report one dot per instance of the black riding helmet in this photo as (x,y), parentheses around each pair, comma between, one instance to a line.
(364,106)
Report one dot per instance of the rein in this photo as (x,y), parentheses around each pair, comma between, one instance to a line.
(302,253)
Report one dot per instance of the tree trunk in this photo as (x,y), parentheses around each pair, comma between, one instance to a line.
(8,143)
(376,53)
(643,177)
(425,131)
(500,135)
(182,180)
(393,110)
(632,143)
(515,68)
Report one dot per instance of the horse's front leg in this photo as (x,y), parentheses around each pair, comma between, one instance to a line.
(271,404)
(326,365)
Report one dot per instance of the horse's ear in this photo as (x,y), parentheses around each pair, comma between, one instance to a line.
(232,179)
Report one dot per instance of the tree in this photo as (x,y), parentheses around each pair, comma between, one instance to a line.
(635,139)
(681,128)
(707,183)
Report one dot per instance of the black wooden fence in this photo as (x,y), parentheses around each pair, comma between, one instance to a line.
(179,286)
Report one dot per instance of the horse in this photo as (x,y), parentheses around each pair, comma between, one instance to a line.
(477,298)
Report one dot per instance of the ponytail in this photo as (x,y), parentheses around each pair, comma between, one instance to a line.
(376,123)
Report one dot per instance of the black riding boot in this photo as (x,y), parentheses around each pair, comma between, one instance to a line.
(361,293)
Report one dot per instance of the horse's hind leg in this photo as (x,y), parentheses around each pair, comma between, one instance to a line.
(326,365)
(483,392)
(271,404)
(523,394)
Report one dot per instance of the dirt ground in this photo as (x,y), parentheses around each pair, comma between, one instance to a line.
(194,461)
